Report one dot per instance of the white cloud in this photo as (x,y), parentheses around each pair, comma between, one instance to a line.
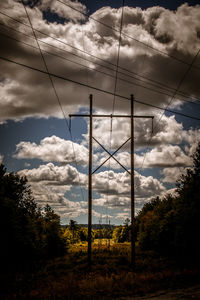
(159,157)
(55,175)
(53,149)
(192,137)
(168,131)
(55,197)
(118,184)
(169,26)
(63,10)
(50,183)
(103,182)
(167,156)
(171,175)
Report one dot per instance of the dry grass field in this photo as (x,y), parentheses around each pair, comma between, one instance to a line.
(110,276)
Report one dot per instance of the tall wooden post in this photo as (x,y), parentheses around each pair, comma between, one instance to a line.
(90,188)
(132,186)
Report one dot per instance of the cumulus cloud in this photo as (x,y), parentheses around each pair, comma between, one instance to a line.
(162,156)
(104,182)
(56,198)
(26,93)
(167,156)
(191,137)
(171,175)
(169,131)
(118,184)
(55,175)
(53,149)
(50,184)
(64,11)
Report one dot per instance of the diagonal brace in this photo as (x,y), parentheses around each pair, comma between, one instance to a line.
(111,156)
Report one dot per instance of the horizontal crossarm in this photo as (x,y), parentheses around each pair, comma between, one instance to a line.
(111,155)
(110,116)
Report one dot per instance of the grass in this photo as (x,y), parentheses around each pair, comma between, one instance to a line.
(109,277)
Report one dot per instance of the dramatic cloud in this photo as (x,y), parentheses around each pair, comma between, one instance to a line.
(53,149)
(26,93)
(64,11)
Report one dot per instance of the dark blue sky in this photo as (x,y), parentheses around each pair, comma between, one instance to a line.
(93,5)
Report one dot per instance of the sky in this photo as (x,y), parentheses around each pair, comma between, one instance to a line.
(54,54)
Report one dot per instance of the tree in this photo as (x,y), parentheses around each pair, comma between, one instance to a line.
(55,244)
(172,226)
(73,226)
(121,234)
(127,222)
(27,234)
(188,209)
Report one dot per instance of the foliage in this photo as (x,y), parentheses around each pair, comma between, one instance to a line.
(74,233)
(103,233)
(121,234)
(27,233)
(172,226)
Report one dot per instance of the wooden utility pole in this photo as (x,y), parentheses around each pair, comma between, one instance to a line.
(90,188)
(132,187)
(111,155)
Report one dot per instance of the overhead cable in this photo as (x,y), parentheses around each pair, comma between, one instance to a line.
(128,36)
(161,85)
(96,88)
(166,108)
(55,92)
(97,71)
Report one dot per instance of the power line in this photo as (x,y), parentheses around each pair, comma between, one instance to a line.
(54,89)
(166,109)
(162,85)
(97,89)
(46,67)
(118,54)
(131,37)
(98,71)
